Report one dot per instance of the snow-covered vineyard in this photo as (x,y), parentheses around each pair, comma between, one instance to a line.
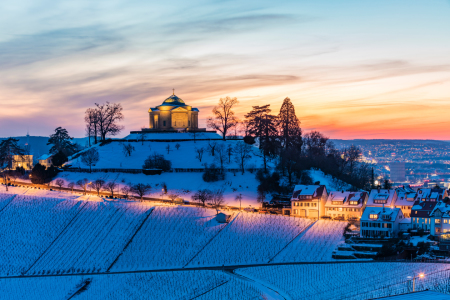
(88,247)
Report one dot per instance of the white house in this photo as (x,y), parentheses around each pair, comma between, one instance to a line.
(345,205)
(46,160)
(309,201)
(382,197)
(379,222)
(405,200)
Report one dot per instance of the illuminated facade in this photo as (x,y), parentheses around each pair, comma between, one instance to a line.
(173,115)
(24,161)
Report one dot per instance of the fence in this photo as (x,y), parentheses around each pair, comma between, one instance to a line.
(139,171)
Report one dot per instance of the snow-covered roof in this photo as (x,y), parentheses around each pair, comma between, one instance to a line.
(308,190)
(443,207)
(345,198)
(405,196)
(423,194)
(406,220)
(382,196)
(45,156)
(390,214)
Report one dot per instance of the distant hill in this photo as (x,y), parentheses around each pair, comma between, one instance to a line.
(38,144)
(363,142)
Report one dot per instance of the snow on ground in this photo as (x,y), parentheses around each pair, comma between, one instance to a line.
(417,239)
(315,244)
(173,136)
(327,180)
(169,238)
(113,157)
(184,183)
(25,190)
(29,225)
(347,280)
(155,286)
(250,238)
(94,239)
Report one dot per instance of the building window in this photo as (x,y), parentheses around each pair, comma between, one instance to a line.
(437,221)
(353,202)
(295,211)
(164,123)
(373,216)
(445,221)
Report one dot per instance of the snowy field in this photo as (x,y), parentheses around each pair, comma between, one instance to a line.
(169,238)
(113,157)
(93,240)
(29,226)
(156,286)
(183,184)
(250,238)
(347,280)
(315,244)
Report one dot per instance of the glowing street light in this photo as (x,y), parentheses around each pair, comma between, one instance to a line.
(421,275)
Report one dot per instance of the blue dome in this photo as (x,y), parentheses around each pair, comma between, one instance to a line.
(174,100)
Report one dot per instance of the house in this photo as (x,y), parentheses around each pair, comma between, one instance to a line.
(425,202)
(22,161)
(440,223)
(420,214)
(405,200)
(382,197)
(46,160)
(309,201)
(379,222)
(345,205)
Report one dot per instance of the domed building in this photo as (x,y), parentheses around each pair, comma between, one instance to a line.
(173,115)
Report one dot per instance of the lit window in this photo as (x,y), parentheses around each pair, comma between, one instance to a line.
(353,202)
(437,221)
(445,221)
(373,216)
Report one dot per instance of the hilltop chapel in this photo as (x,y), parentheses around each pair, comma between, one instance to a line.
(173,115)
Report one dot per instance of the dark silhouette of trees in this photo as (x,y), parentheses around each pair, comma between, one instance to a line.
(103,120)
(242,152)
(59,182)
(90,158)
(83,184)
(202,196)
(8,149)
(157,161)
(98,185)
(223,118)
(289,126)
(140,189)
(110,187)
(59,159)
(91,120)
(61,141)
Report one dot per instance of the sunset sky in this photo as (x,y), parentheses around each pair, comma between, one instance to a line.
(353,69)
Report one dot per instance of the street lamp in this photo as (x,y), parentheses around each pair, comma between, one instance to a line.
(421,275)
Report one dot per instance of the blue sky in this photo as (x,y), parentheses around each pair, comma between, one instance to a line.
(353,69)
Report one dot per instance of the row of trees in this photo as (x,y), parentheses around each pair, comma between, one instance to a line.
(103,120)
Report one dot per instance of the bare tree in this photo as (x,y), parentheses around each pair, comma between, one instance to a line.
(202,196)
(242,153)
(172,197)
(59,182)
(91,119)
(14,175)
(128,149)
(83,183)
(109,115)
(223,117)
(221,156)
(126,190)
(140,189)
(229,152)
(168,148)
(217,199)
(212,146)
(90,158)
(98,185)
(142,136)
(5,178)
(110,187)
(199,155)
(177,145)
(239,198)
(70,185)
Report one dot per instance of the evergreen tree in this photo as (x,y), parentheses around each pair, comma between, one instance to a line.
(289,126)
(9,148)
(59,159)
(264,126)
(61,142)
